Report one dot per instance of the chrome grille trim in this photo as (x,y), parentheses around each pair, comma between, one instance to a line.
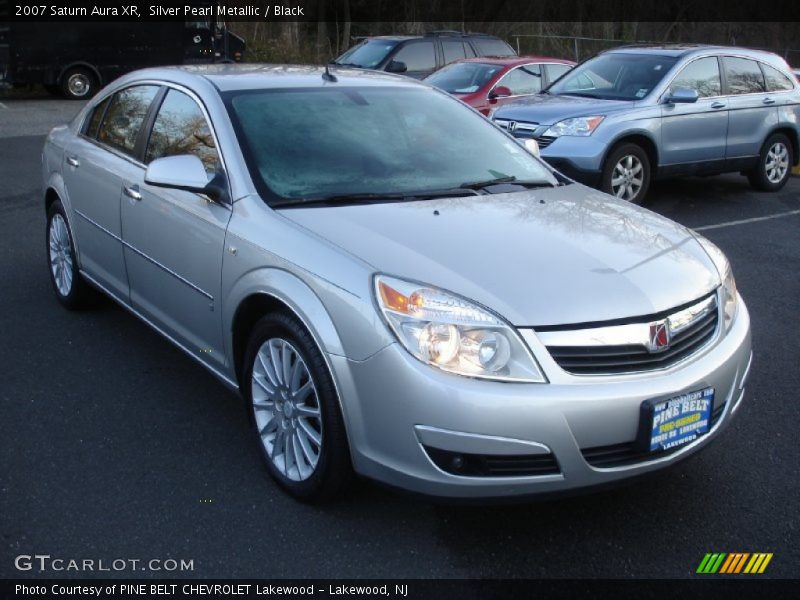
(620,349)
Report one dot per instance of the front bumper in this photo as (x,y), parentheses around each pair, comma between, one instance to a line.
(394,404)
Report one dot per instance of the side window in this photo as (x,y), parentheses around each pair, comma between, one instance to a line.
(469,50)
(125,116)
(181,128)
(776,81)
(743,75)
(492,47)
(555,71)
(418,56)
(523,80)
(453,50)
(701,75)
(93,122)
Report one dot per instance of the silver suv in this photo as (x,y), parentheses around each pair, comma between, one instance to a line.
(633,114)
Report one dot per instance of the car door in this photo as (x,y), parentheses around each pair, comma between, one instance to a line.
(693,135)
(174,239)
(752,108)
(524,80)
(419,57)
(93,167)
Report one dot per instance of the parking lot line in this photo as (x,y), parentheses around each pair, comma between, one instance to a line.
(3,106)
(745,221)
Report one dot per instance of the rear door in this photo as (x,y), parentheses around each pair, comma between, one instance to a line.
(693,135)
(93,169)
(752,108)
(419,57)
(174,239)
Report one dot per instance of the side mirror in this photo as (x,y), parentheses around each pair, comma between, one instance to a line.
(500,91)
(682,96)
(396,66)
(183,172)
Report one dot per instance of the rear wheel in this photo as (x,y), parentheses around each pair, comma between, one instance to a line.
(294,410)
(626,174)
(70,287)
(78,83)
(774,164)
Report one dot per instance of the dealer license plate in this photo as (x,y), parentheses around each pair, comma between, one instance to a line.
(677,421)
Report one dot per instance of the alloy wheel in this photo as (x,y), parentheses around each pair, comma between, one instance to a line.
(60,255)
(627,177)
(777,163)
(287,409)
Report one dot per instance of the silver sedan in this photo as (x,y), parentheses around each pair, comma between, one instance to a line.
(395,286)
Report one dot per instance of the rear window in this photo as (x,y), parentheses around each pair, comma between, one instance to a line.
(775,80)
(492,47)
(125,116)
(93,124)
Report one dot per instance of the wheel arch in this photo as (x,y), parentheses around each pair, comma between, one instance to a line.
(641,139)
(271,289)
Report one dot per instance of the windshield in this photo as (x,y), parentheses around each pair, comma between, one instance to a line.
(367,54)
(463,78)
(615,76)
(308,144)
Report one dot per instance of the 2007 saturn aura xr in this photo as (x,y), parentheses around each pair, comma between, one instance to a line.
(397,287)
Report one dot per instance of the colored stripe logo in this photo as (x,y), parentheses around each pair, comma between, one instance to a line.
(734,563)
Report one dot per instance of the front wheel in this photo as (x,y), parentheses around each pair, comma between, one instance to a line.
(774,164)
(294,410)
(626,174)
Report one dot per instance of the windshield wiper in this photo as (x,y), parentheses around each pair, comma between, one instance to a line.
(345,64)
(370,198)
(479,185)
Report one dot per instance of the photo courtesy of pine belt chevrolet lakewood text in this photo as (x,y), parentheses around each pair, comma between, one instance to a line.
(396,287)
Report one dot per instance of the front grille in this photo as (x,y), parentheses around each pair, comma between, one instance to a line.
(491,465)
(545,140)
(627,453)
(611,359)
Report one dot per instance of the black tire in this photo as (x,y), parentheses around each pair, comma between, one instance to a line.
(762,178)
(78,83)
(79,294)
(622,155)
(333,471)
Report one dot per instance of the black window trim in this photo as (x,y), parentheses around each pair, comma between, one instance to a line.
(164,86)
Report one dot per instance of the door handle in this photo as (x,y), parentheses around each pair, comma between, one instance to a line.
(768,101)
(132,191)
(73,162)
(718,105)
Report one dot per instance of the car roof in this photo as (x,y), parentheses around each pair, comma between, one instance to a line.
(680,50)
(249,76)
(513,61)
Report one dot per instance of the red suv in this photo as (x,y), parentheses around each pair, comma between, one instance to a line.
(487,83)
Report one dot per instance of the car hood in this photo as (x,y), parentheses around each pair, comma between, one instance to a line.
(541,257)
(546,109)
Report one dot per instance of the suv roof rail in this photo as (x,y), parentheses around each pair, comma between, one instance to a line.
(444,32)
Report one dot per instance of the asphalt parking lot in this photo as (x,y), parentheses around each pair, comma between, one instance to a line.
(113,444)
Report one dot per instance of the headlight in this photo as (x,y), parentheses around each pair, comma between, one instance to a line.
(454,334)
(581,126)
(728,290)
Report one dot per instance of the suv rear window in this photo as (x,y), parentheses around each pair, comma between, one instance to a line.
(492,47)
(776,81)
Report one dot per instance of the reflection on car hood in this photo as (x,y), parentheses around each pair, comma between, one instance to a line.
(541,257)
(547,110)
